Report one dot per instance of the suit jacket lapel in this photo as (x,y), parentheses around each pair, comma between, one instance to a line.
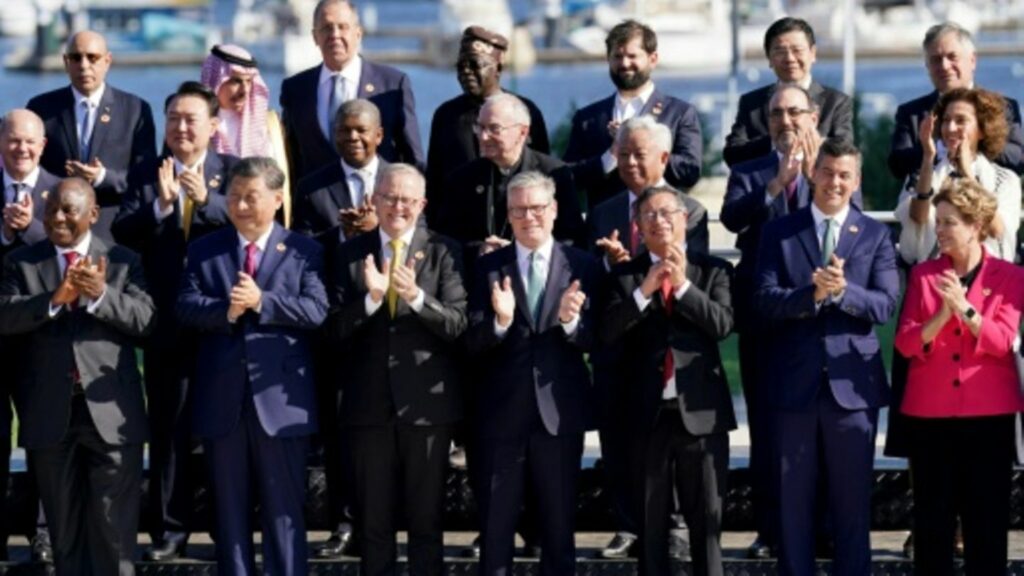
(988,276)
(49,270)
(101,129)
(511,270)
(273,255)
(67,116)
(559,278)
(366,87)
(849,235)
(338,190)
(809,237)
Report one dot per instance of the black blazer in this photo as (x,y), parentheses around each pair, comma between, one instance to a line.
(589,139)
(535,373)
(403,368)
(465,217)
(613,214)
(35,232)
(320,196)
(699,320)
(905,149)
(388,88)
(749,138)
(100,345)
(123,143)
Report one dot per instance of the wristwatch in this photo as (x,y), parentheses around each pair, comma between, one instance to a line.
(970,313)
(925,195)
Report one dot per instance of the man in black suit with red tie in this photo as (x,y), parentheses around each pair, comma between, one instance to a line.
(531,323)
(93,130)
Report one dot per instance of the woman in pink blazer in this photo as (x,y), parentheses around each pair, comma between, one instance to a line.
(959,321)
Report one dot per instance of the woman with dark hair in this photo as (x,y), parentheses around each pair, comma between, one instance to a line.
(959,321)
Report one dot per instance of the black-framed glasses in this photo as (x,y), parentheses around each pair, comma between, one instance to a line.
(78,57)
(664,213)
(491,129)
(793,112)
(519,212)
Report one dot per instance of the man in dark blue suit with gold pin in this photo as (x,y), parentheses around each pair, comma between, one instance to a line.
(254,292)
(310,99)
(93,130)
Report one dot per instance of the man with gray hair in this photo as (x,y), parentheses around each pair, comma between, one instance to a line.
(475,196)
(531,323)
(949,56)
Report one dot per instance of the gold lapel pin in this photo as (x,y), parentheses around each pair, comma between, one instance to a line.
(986,291)
(105,118)
(370,88)
(44,194)
(214,183)
(280,247)
(854,229)
(479,189)
(418,255)
(657,109)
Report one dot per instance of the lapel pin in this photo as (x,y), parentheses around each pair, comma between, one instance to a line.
(214,182)
(44,194)
(986,291)
(418,255)
(105,118)
(370,88)
(479,189)
(280,247)
(657,108)
(854,229)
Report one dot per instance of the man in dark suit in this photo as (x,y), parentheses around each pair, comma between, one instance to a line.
(254,293)
(398,297)
(826,275)
(474,201)
(453,141)
(82,306)
(530,325)
(94,130)
(791,51)
(310,99)
(172,201)
(668,309)
(632,56)
(951,60)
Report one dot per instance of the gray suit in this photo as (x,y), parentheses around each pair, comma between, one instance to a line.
(83,442)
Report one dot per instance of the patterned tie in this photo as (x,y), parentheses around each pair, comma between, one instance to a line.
(534,284)
(634,238)
(668,370)
(828,243)
(83,133)
(335,102)
(359,193)
(250,259)
(396,257)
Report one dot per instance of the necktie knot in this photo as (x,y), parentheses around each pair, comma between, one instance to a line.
(70,258)
(828,242)
(251,249)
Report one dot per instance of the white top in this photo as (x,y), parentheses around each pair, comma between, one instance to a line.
(624,110)
(351,73)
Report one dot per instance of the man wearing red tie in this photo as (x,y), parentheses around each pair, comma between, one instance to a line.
(666,311)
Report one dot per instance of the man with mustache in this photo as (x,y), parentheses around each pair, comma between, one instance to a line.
(632,50)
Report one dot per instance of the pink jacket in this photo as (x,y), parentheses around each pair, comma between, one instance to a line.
(958,375)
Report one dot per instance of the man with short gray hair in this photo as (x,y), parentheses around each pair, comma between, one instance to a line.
(951,60)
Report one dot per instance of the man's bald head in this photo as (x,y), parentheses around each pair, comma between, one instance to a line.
(22,139)
(70,212)
(87,61)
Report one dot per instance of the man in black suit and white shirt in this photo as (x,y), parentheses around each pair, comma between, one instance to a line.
(789,46)
(82,304)
(93,130)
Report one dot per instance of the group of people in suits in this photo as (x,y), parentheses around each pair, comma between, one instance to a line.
(463,295)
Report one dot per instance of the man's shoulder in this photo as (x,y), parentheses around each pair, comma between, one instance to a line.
(609,206)
(50,101)
(31,254)
(756,97)
(579,260)
(545,163)
(671,104)
(384,73)
(212,244)
(596,108)
(299,242)
(127,98)
(321,178)
(708,263)
(755,165)
(918,105)
(46,179)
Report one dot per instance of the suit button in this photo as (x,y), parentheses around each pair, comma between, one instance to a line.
(956,357)
(956,332)
(956,382)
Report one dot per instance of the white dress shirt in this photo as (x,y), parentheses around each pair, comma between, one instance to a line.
(543,254)
(642,302)
(623,110)
(352,74)
(362,186)
(94,104)
(386,253)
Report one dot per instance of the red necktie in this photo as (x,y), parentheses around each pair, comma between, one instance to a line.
(69,260)
(634,237)
(250,258)
(791,195)
(669,369)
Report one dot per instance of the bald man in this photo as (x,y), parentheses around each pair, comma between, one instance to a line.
(93,130)
(81,306)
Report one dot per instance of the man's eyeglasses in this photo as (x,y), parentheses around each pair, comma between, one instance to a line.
(519,212)
(664,213)
(393,201)
(77,57)
(780,113)
(491,129)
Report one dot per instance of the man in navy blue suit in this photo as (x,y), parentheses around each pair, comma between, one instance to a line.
(530,325)
(310,99)
(93,130)
(172,201)
(255,294)
(826,275)
(632,56)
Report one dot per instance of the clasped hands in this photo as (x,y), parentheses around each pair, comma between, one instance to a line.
(503,301)
(830,280)
(86,171)
(245,295)
(82,279)
(191,183)
(672,267)
(17,216)
(358,219)
(953,293)
(379,280)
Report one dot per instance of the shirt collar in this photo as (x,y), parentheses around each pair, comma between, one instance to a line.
(261,242)
(349,71)
(544,250)
(406,237)
(820,216)
(370,168)
(94,98)
(644,95)
(180,167)
(29,180)
(82,248)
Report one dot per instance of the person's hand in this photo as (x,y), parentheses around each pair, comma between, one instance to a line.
(503,301)
(677,271)
(964,160)
(571,303)
(66,293)
(613,129)
(358,219)
(194,185)
(952,291)
(810,143)
(829,280)
(492,243)
(925,133)
(613,248)
(376,280)
(167,184)
(88,172)
(246,294)
(90,280)
(789,168)
(18,216)
(405,281)
(653,279)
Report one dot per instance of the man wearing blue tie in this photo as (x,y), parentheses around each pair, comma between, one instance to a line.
(254,292)
(826,275)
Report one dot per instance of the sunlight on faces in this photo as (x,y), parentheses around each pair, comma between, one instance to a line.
(501,138)
(952,232)
(835,180)
(532,211)
(960,125)
(950,63)
(399,201)
(791,56)
(357,137)
(22,139)
(478,74)
(630,66)
(789,115)
(662,222)
(641,163)
(189,126)
(251,206)
(87,61)
(233,93)
(69,212)
(338,35)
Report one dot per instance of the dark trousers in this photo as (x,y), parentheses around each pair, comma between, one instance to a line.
(550,464)
(90,491)
(752,343)
(694,469)
(248,459)
(840,443)
(332,441)
(400,466)
(5,466)
(962,466)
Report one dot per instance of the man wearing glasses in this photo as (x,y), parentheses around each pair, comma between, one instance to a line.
(789,46)
(398,307)
(93,130)
(667,309)
(531,323)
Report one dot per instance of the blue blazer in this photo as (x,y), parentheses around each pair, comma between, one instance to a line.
(266,355)
(589,139)
(387,87)
(839,337)
(123,143)
(35,232)
(536,373)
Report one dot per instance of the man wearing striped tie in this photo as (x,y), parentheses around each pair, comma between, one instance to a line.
(178,198)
